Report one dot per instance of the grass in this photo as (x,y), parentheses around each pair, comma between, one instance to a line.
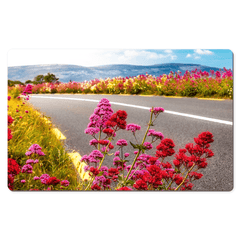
(33,129)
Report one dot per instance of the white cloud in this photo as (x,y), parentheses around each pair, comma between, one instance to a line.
(203,52)
(131,54)
(198,52)
(168,51)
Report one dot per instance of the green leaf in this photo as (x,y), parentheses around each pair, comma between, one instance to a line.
(130,182)
(134,146)
(100,174)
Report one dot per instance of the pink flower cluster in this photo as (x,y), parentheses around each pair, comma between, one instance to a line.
(27,90)
(35,148)
(101,115)
(154,134)
(133,127)
(157,110)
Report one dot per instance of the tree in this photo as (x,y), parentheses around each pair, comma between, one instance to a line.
(14,82)
(28,81)
(38,79)
(50,78)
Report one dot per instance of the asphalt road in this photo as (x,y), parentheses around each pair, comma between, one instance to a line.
(72,117)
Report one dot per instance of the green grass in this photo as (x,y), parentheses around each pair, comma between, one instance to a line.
(32,129)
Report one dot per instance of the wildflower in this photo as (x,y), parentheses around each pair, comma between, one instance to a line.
(153,133)
(117,153)
(165,148)
(93,142)
(133,127)
(96,154)
(94,171)
(52,181)
(65,183)
(112,172)
(26,111)
(110,132)
(13,167)
(36,161)
(126,155)
(23,181)
(35,148)
(195,175)
(10,120)
(29,161)
(10,182)
(152,160)
(140,185)
(44,178)
(27,168)
(117,119)
(9,97)
(157,110)
(9,134)
(122,142)
(95,187)
(148,145)
(178,179)
(36,178)
(92,131)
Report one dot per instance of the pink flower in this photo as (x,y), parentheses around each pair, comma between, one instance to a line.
(23,181)
(65,183)
(117,153)
(44,178)
(148,145)
(92,131)
(133,127)
(36,178)
(96,154)
(93,142)
(29,161)
(122,142)
(27,168)
(152,133)
(157,110)
(35,148)
(126,155)
(9,97)
(26,111)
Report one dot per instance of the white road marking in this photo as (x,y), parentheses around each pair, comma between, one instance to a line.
(142,107)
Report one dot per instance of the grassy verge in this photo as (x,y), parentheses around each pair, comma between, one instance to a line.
(30,128)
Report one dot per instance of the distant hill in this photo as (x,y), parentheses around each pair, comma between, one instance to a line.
(79,73)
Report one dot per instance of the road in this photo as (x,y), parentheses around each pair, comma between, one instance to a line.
(183,119)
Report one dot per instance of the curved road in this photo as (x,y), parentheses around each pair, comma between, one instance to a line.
(183,119)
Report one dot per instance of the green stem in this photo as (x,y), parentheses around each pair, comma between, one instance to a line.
(99,140)
(185,177)
(90,183)
(149,124)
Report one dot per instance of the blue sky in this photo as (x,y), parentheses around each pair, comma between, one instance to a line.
(97,57)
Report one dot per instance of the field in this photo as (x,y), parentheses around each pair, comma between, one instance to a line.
(190,84)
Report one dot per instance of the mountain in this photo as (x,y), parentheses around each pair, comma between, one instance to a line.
(80,73)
